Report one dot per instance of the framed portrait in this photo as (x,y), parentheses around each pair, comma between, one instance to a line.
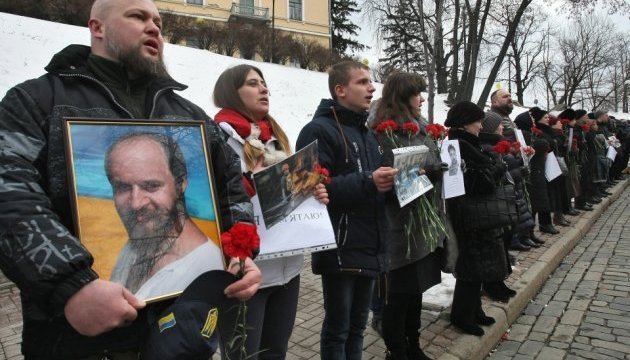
(144,202)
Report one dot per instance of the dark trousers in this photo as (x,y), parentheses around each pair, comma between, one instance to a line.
(466,306)
(401,324)
(346,308)
(270,319)
(544,218)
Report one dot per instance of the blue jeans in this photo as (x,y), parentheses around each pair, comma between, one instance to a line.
(346,308)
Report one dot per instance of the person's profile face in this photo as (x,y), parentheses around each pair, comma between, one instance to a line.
(357,94)
(255,95)
(132,33)
(415,102)
(474,127)
(145,193)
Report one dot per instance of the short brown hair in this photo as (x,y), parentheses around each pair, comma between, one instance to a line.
(339,74)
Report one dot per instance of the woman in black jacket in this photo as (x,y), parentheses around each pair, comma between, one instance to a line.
(414,260)
(557,186)
(481,253)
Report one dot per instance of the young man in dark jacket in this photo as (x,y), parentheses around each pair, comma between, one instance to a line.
(350,152)
(68,312)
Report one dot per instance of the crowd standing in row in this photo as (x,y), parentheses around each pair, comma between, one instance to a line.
(69,313)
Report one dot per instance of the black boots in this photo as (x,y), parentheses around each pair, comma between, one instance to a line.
(548,229)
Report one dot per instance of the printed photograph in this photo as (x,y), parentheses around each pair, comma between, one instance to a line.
(284,186)
(409,183)
(144,203)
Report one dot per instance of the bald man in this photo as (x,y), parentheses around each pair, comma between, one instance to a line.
(68,311)
(501,103)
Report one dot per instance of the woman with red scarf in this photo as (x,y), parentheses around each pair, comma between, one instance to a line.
(242,94)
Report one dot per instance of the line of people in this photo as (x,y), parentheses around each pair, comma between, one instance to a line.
(71,314)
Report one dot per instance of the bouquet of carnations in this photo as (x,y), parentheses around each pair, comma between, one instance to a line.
(423,215)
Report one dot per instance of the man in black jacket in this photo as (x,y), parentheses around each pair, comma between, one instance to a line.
(68,312)
(351,153)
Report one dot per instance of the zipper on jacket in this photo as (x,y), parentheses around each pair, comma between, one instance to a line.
(340,243)
(155,99)
(111,95)
(358,154)
(104,87)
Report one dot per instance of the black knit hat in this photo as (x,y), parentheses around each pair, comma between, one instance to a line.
(567,114)
(187,329)
(579,113)
(524,121)
(491,122)
(462,113)
(537,113)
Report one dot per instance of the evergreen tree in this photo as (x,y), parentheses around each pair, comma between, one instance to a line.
(342,27)
(404,49)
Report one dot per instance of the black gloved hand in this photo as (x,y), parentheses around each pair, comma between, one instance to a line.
(434,171)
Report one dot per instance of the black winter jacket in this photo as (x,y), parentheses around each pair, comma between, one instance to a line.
(349,150)
(39,251)
(482,256)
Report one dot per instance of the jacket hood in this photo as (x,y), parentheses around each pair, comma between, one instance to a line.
(330,108)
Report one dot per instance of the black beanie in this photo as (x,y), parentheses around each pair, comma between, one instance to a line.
(524,121)
(491,122)
(567,114)
(462,113)
(537,113)
(579,113)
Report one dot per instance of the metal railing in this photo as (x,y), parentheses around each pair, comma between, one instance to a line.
(254,12)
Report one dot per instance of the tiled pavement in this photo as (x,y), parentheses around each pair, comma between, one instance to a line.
(583,310)
(439,339)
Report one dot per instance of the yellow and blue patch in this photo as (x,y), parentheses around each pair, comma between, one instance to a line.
(211,323)
(167,322)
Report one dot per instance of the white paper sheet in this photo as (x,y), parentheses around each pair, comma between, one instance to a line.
(453,179)
(552,168)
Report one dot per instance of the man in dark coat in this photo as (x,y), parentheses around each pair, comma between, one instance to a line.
(501,104)
(68,311)
(348,149)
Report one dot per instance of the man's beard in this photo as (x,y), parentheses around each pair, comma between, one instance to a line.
(134,62)
(507,108)
(151,239)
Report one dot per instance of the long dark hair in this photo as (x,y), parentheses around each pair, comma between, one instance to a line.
(226,95)
(394,104)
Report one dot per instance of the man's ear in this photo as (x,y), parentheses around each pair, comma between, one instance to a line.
(340,91)
(184,185)
(96,28)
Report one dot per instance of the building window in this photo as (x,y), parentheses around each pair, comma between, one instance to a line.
(295,10)
(194,2)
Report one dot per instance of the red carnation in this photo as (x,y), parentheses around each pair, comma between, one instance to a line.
(387,126)
(436,131)
(324,174)
(241,241)
(516,147)
(502,147)
(586,128)
(410,128)
(564,121)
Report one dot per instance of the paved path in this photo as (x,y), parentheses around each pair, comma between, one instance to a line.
(595,288)
(583,310)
